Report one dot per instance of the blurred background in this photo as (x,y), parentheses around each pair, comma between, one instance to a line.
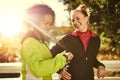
(104,21)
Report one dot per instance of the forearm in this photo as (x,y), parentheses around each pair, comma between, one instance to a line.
(98,63)
(56,49)
(44,67)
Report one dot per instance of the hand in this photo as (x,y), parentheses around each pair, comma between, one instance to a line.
(69,56)
(101,72)
(64,74)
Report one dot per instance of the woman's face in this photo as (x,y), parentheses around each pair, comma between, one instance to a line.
(79,21)
(46,23)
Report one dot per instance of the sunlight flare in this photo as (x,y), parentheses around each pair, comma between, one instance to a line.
(10,24)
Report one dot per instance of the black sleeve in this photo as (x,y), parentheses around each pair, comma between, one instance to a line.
(56,49)
(60,46)
(98,63)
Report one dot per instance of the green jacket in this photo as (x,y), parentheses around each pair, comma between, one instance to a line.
(38,59)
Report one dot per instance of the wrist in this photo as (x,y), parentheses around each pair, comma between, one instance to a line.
(101,67)
(66,57)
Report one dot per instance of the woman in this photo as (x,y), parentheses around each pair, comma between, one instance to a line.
(37,62)
(84,45)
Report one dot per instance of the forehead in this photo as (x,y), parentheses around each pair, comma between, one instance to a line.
(77,14)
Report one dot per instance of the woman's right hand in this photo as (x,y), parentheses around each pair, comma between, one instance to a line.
(64,74)
(69,56)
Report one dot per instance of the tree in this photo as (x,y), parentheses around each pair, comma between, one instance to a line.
(105,19)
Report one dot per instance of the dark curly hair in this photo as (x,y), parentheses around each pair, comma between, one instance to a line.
(40,10)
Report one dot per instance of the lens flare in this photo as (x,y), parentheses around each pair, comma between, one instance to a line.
(10,24)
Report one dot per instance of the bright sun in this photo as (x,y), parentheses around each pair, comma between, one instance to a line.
(12,11)
(11,18)
(10,24)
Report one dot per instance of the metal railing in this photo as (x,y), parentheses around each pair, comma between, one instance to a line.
(16,68)
(111,66)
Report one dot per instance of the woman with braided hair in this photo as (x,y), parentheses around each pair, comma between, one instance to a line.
(84,44)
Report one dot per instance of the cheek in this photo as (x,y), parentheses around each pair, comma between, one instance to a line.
(49,27)
(86,20)
(83,21)
(74,24)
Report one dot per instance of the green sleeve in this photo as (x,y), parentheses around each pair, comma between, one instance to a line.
(39,59)
(23,71)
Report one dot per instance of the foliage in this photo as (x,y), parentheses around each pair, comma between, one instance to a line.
(9,49)
(105,19)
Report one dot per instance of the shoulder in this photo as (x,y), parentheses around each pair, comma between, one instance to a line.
(94,35)
(30,41)
(68,37)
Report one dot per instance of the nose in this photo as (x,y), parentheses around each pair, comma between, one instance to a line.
(75,22)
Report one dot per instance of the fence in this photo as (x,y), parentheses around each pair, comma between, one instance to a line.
(111,66)
(16,68)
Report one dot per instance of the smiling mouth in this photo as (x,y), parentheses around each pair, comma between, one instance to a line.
(77,26)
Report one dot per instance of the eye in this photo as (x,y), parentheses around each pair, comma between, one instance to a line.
(73,20)
(78,18)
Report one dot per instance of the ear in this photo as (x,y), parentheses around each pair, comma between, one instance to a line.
(87,18)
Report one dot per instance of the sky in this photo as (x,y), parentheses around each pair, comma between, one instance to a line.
(11,13)
(20,5)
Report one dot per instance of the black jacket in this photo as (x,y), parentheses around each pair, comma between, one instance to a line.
(81,67)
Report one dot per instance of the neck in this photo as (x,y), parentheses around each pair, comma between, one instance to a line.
(35,34)
(82,30)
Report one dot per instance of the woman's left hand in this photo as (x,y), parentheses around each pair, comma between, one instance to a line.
(101,72)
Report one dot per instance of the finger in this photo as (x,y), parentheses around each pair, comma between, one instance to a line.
(102,74)
(102,77)
(66,75)
(98,75)
(65,78)
(65,68)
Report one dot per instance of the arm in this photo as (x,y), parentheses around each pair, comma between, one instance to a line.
(59,47)
(38,58)
(97,64)
(101,72)
(56,49)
